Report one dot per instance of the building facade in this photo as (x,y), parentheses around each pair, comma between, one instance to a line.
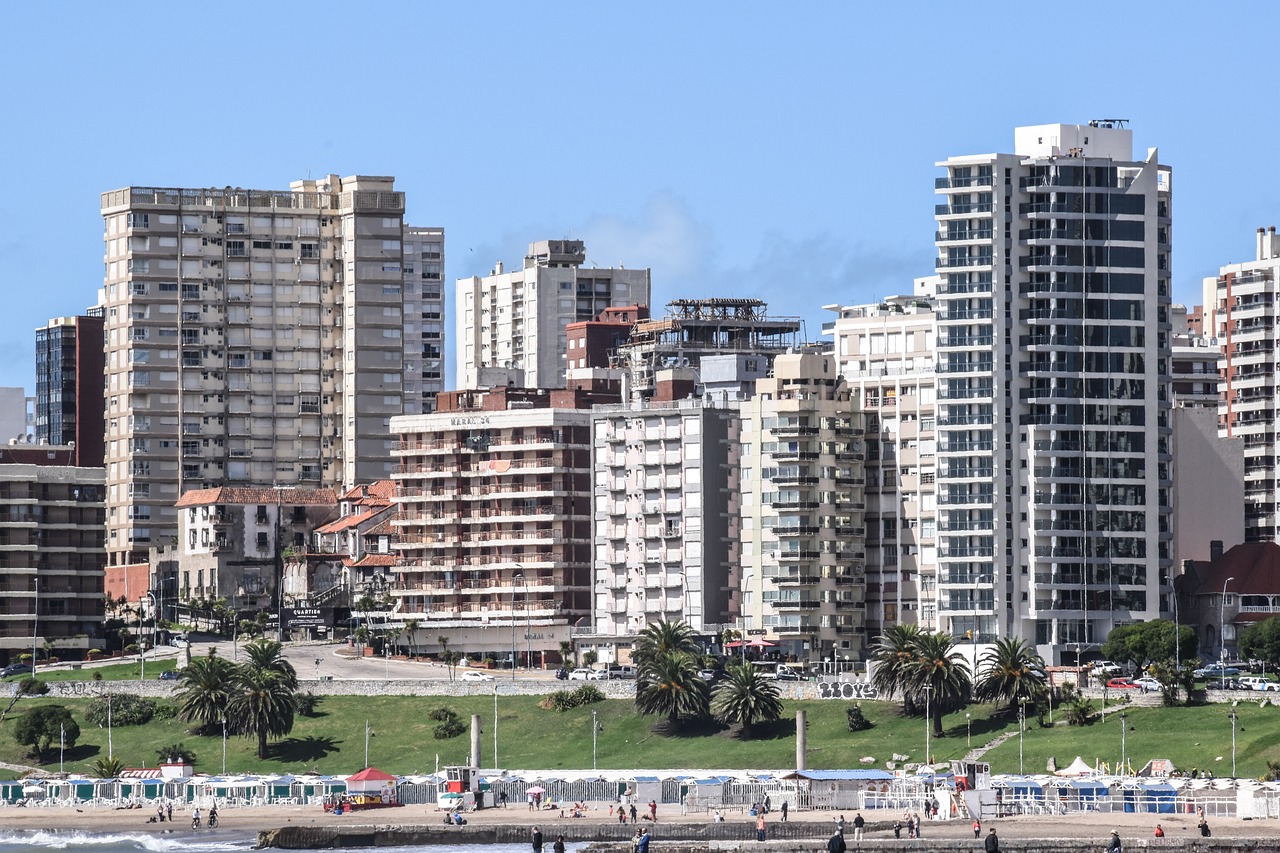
(424,310)
(1243,307)
(886,353)
(514,322)
(802,511)
(51,557)
(493,533)
(69,403)
(253,338)
(1053,389)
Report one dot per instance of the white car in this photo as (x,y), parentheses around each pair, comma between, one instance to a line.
(598,675)
(580,675)
(1148,683)
(1254,682)
(476,675)
(1107,668)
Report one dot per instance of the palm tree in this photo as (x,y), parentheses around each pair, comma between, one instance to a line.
(566,653)
(262,705)
(943,672)
(894,654)
(206,683)
(744,697)
(268,655)
(445,656)
(411,627)
(669,684)
(107,768)
(664,637)
(1012,672)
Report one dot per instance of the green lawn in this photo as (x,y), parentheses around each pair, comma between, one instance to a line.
(333,741)
(109,672)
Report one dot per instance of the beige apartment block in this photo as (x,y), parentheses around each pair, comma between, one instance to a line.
(886,354)
(511,325)
(493,532)
(802,511)
(253,338)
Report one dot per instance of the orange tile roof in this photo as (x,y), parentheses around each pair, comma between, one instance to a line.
(376,493)
(347,521)
(375,560)
(243,496)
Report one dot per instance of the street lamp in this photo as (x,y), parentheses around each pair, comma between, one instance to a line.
(1022,727)
(518,576)
(1233,717)
(224,746)
(595,728)
(928,721)
(142,643)
(1222,634)
(968,725)
(1124,729)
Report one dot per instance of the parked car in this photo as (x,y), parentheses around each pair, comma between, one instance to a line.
(597,675)
(621,672)
(15,669)
(1148,682)
(1258,683)
(710,674)
(1107,668)
(179,641)
(786,673)
(476,675)
(1216,683)
(168,675)
(1122,684)
(1216,670)
(580,674)
(562,674)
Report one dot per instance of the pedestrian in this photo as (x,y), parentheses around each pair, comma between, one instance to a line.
(760,828)
(634,813)
(642,846)
(897,829)
(635,841)
(977,828)
(1159,831)
(537,840)
(784,811)
(992,844)
(835,844)
(1113,846)
(653,810)
(916,821)
(1204,828)
(160,813)
(168,810)
(840,825)
(858,823)
(933,809)
(716,817)
(911,827)
(622,816)
(558,847)
(531,802)
(767,806)
(503,798)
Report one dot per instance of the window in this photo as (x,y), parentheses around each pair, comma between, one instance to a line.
(139,220)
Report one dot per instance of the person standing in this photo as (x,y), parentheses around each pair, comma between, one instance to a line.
(537,840)
(1204,828)
(642,846)
(835,844)
(840,825)
(168,809)
(503,798)
(530,802)
(1159,831)
(653,810)
(858,823)
(784,811)
(634,813)
(977,828)
(760,828)
(992,844)
(1113,846)
(635,841)
(558,847)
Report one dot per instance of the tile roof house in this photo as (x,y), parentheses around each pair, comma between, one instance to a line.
(1223,596)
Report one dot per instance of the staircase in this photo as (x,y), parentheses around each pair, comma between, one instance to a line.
(324,597)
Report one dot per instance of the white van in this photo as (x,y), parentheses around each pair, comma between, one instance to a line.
(1254,682)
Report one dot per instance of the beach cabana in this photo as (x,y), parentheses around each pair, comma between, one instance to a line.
(844,789)
(1076,768)
(11,790)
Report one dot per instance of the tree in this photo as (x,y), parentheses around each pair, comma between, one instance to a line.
(893,655)
(1143,642)
(206,683)
(670,685)
(746,697)
(411,627)
(941,671)
(107,768)
(566,653)
(176,752)
(45,725)
(268,655)
(1262,640)
(664,637)
(262,705)
(449,658)
(1012,673)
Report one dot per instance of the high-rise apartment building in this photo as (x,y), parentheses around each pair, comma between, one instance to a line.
(253,338)
(1242,308)
(886,354)
(423,318)
(802,504)
(1053,388)
(69,379)
(511,325)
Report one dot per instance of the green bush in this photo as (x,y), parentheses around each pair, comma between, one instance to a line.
(166,711)
(588,694)
(563,700)
(124,709)
(450,725)
(307,703)
(858,721)
(176,752)
(31,687)
(441,715)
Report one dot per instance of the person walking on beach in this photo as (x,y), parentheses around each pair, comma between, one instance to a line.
(653,810)
(977,828)
(858,823)
(168,809)
(634,814)
(537,840)
(531,802)
(784,811)
(760,828)
(915,822)
(502,797)
(992,844)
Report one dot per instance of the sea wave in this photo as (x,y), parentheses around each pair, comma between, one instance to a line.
(157,842)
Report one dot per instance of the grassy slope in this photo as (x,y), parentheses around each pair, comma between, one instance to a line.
(529,737)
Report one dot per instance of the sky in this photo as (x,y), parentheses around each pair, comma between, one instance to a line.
(781,151)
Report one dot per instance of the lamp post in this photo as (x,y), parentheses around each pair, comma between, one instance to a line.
(35,630)
(224,746)
(595,728)
(1124,729)
(1022,727)
(518,576)
(1233,717)
(368,732)
(928,720)
(968,727)
(495,725)
(1222,635)
(142,643)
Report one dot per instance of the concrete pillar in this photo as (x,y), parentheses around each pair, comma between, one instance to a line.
(802,738)
(475,740)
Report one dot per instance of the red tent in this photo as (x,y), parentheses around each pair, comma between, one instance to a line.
(371,774)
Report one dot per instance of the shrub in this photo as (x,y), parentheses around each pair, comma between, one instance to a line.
(125,710)
(31,687)
(450,725)
(563,700)
(858,721)
(131,649)
(588,694)
(441,715)
(176,752)
(25,659)
(307,703)
(166,711)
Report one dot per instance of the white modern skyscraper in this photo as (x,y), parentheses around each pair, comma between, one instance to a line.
(511,325)
(253,338)
(1053,388)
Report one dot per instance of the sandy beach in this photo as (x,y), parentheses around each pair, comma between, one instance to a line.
(1091,827)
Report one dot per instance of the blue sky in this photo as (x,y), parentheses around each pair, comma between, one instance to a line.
(773,150)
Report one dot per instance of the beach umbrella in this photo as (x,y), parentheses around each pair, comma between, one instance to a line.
(536,789)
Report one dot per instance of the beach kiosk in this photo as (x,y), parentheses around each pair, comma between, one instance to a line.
(368,789)
(462,789)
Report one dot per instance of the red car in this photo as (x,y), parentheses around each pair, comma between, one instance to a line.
(1123,684)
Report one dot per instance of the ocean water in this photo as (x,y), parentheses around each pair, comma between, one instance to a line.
(37,841)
